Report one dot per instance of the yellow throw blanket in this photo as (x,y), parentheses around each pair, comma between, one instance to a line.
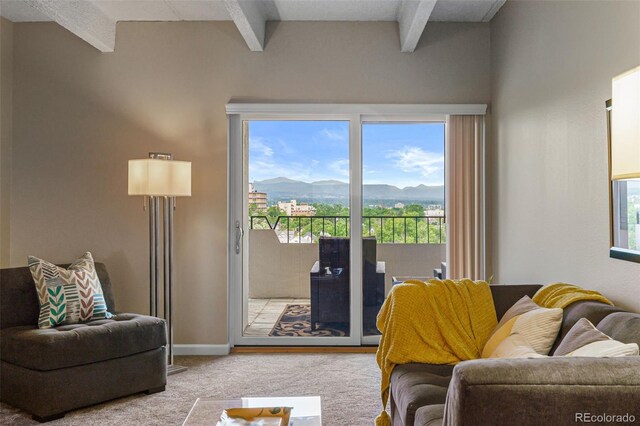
(435,322)
(561,295)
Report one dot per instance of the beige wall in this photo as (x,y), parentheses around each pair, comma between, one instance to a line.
(552,64)
(6,136)
(79,115)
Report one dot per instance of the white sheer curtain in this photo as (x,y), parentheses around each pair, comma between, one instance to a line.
(465,196)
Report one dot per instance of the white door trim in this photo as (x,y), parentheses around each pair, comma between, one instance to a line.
(355,213)
(349,109)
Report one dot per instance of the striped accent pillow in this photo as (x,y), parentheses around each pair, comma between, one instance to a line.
(68,296)
(536,325)
(515,346)
(606,348)
(584,339)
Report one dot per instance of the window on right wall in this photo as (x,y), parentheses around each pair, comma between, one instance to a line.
(626,214)
(623,114)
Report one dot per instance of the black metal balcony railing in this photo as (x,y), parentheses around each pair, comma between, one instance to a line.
(386,229)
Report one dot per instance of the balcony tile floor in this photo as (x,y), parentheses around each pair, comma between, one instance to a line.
(263,314)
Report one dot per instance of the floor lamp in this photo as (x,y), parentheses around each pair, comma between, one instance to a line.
(160,178)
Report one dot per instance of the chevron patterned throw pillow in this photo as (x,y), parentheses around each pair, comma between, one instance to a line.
(68,296)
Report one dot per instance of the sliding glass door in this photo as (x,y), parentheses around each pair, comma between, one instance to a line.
(302,180)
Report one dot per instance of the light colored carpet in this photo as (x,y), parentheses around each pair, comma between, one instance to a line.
(348,384)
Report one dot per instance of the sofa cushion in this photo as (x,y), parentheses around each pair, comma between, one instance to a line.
(79,344)
(431,415)
(416,385)
(591,310)
(622,326)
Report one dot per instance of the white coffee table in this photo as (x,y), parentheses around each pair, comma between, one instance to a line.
(307,410)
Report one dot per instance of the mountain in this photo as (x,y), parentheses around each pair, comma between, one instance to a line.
(424,191)
(327,182)
(279,180)
(283,189)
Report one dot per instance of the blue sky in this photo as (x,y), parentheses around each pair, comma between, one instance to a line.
(396,154)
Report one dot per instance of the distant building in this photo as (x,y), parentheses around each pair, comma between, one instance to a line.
(292,208)
(431,211)
(434,212)
(257,199)
(399,206)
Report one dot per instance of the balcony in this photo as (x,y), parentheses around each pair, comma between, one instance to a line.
(282,251)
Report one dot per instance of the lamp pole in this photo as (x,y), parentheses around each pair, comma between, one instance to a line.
(161,184)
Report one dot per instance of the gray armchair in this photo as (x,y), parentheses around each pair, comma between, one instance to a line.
(48,372)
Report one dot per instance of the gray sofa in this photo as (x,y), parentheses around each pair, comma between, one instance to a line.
(552,391)
(51,371)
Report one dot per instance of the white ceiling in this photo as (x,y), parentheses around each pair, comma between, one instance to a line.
(251,14)
(276,10)
(164,10)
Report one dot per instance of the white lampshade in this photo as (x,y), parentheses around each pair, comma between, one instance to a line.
(625,126)
(160,177)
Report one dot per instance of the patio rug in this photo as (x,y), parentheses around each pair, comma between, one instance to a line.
(296,321)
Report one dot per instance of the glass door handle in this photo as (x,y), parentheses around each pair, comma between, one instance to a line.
(239,235)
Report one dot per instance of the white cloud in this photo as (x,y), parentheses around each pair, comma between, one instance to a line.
(367,170)
(341,167)
(412,159)
(260,146)
(267,169)
(334,135)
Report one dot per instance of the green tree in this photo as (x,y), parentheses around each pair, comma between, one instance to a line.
(259,217)
(388,225)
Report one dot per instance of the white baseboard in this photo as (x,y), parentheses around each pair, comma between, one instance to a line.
(187,349)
